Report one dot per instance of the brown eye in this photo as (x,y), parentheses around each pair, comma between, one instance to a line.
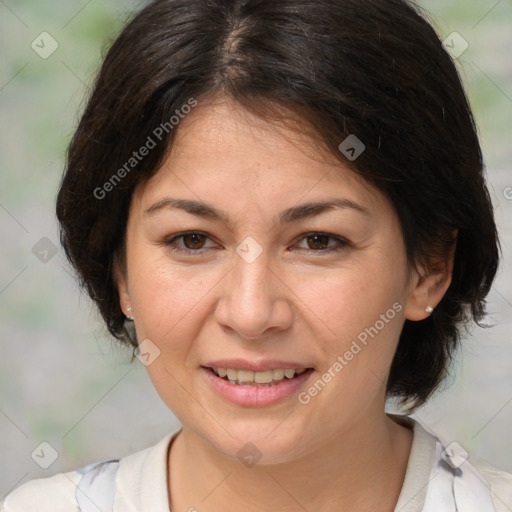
(318,241)
(322,243)
(194,240)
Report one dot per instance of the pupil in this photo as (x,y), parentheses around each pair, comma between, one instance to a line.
(193,241)
(318,240)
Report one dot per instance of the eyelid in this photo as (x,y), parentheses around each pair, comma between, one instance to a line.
(341,243)
(169,240)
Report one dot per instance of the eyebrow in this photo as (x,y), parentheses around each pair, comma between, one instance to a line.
(289,215)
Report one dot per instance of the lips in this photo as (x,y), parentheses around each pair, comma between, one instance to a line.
(250,378)
(255,384)
(260,366)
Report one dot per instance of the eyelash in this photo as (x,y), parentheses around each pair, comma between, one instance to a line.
(342,243)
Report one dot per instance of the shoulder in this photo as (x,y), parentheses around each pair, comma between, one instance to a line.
(474,483)
(443,477)
(69,492)
(500,483)
(53,494)
(473,478)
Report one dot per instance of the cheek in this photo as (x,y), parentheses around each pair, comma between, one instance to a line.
(357,314)
(345,301)
(167,299)
(170,303)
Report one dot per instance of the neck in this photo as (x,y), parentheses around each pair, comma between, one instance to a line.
(360,469)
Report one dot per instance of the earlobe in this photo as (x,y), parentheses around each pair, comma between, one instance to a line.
(430,287)
(122,290)
(428,293)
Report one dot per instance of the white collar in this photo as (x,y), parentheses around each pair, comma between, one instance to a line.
(142,478)
(436,480)
(439,478)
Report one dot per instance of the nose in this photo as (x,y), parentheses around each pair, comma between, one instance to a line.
(255,303)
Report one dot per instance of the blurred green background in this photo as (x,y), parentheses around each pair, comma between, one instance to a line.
(62,379)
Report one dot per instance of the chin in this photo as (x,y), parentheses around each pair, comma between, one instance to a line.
(266,441)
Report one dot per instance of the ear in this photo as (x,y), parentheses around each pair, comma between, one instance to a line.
(429,284)
(121,282)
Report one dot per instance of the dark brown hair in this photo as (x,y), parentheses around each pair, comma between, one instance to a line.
(372,68)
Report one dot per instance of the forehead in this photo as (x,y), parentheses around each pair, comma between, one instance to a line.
(223,152)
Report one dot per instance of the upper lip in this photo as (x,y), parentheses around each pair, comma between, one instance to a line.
(260,366)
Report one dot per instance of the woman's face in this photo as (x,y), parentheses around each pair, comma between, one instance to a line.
(266,283)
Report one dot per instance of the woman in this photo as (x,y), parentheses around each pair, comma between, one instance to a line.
(282,206)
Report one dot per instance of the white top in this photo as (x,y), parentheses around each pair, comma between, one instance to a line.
(437,479)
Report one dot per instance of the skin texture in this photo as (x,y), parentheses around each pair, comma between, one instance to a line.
(339,451)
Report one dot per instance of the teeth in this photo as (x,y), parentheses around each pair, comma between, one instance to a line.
(263,377)
(278,374)
(247,377)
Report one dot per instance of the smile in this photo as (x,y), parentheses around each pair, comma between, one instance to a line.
(249,388)
(250,378)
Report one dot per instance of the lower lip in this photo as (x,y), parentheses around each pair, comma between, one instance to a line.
(254,396)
